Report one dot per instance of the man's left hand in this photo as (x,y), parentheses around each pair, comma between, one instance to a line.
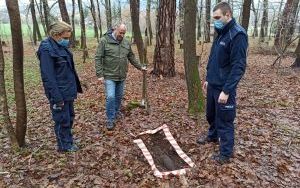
(223,98)
(144,68)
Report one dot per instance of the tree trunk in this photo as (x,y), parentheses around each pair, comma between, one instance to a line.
(3,103)
(40,8)
(264,22)
(46,14)
(148,21)
(99,18)
(191,61)
(73,24)
(17,42)
(164,50)
(119,14)
(296,64)
(294,19)
(199,19)
(136,27)
(93,12)
(36,29)
(108,14)
(207,20)
(83,35)
(246,14)
(255,11)
(181,18)
(286,20)
(63,11)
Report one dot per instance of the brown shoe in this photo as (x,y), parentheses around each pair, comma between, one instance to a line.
(206,140)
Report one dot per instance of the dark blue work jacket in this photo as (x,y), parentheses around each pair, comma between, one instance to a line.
(227,60)
(60,80)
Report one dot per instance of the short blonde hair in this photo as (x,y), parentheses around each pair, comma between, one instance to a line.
(59,27)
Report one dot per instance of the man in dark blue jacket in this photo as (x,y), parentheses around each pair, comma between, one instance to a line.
(60,81)
(226,66)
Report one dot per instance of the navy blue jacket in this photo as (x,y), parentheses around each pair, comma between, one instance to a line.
(60,80)
(227,60)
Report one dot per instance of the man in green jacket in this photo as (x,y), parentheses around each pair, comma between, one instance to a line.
(111,59)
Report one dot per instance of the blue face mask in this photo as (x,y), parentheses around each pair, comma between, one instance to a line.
(64,42)
(218,24)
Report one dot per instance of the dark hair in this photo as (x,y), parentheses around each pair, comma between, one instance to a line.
(224,7)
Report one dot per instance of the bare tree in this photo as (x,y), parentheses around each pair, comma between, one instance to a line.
(36,30)
(181,18)
(63,11)
(73,24)
(99,18)
(296,64)
(191,61)
(93,12)
(246,14)
(108,14)
(3,103)
(255,11)
(83,35)
(17,42)
(148,21)
(164,63)
(134,10)
(46,14)
(199,18)
(264,22)
(207,19)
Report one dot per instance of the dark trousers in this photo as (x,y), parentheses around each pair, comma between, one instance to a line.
(63,119)
(220,118)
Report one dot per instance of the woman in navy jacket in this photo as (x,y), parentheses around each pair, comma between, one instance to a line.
(60,82)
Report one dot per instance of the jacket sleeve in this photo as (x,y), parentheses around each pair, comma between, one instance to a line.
(238,59)
(99,59)
(49,76)
(133,60)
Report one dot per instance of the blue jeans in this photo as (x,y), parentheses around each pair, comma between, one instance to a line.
(114,93)
(63,119)
(220,118)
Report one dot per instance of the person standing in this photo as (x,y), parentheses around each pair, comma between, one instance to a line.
(226,66)
(60,81)
(111,62)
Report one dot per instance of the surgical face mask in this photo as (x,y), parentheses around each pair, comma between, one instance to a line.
(218,24)
(64,42)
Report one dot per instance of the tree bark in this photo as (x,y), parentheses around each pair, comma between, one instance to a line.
(283,28)
(207,19)
(93,12)
(63,11)
(181,18)
(164,63)
(40,8)
(191,61)
(296,64)
(3,103)
(73,24)
(136,27)
(255,11)
(199,19)
(17,43)
(99,18)
(148,22)
(246,14)
(264,22)
(46,15)
(108,14)
(36,30)
(83,35)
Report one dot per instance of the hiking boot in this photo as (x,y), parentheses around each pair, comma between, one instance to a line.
(73,148)
(221,159)
(206,140)
(110,126)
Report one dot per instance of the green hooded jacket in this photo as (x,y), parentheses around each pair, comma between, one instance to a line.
(112,58)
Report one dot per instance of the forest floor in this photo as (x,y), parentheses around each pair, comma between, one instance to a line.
(267,137)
